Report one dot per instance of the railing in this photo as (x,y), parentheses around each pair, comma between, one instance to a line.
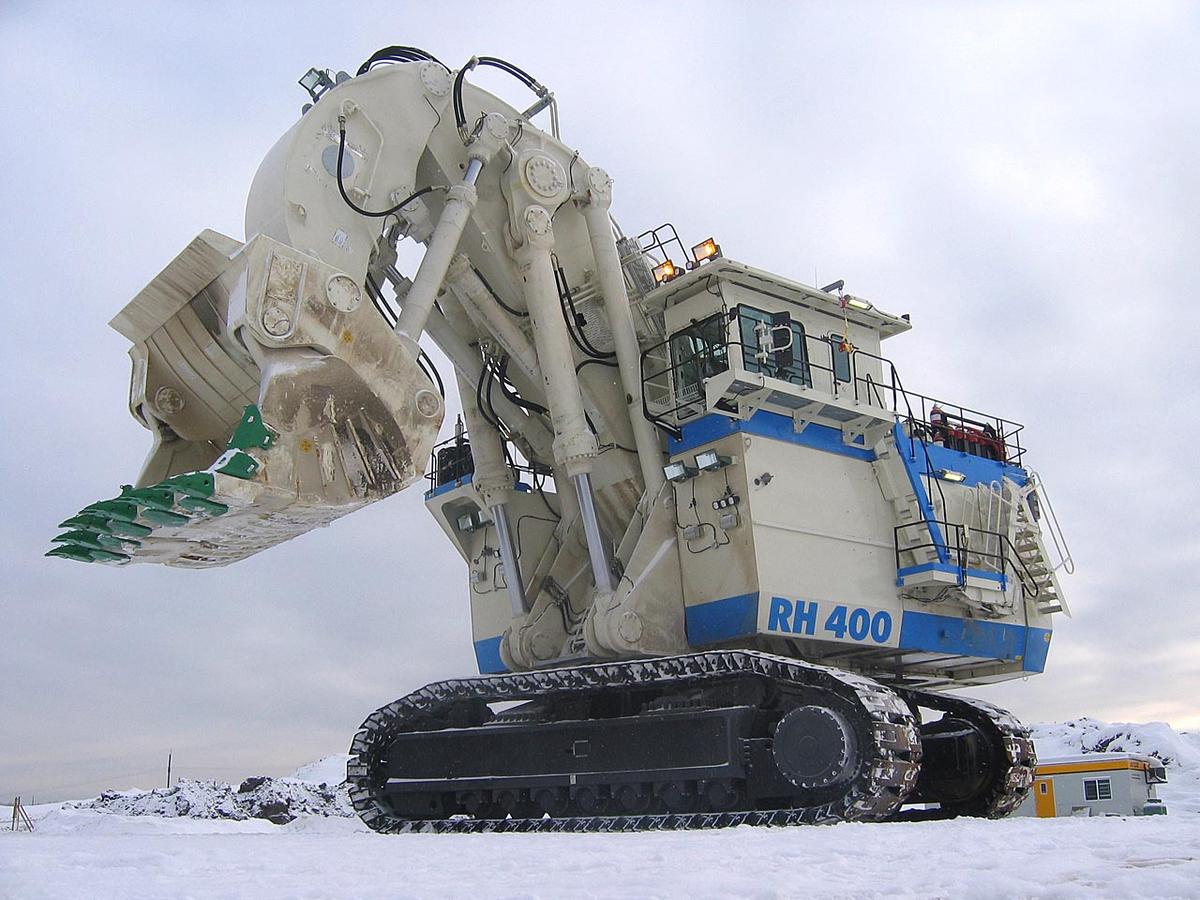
(672,390)
(451,462)
(656,241)
(938,421)
(674,372)
(1040,507)
(958,546)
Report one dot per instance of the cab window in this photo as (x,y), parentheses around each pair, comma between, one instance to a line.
(698,352)
(841,359)
(791,365)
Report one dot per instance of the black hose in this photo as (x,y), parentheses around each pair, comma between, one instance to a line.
(572,319)
(431,372)
(484,374)
(503,65)
(397,54)
(342,187)
(508,309)
(460,114)
(592,361)
(491,404)
(380,302)
(516,398)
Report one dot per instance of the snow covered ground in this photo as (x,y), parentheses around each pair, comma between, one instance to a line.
(100,854)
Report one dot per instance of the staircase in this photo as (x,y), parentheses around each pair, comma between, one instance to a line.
(1031,550)
(914,544)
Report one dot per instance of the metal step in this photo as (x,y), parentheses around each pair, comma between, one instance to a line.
(1049,603)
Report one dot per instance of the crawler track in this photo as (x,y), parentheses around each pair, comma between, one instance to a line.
(887,742)
(1014,758)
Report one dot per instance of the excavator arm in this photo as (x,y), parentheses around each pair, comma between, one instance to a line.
(283,391)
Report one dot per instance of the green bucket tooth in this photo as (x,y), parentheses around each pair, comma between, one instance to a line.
(71,551)
(108,556)
(163,517)
(107,531)
(199,485)
(128,529)
(113,509)
(251,431)
(121,545)
(150,497)
(98,524)
(200,505)
(238,464)
(80,539)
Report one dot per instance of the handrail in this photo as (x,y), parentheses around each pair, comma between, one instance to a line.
(1066,561)
(962,549)
(816,367)
(652,383)
(462,441)
(655,243)
(1007,432)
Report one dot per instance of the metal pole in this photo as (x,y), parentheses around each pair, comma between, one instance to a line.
(601,571)
(508,555)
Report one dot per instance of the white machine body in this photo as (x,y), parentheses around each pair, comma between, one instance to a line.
(647,463)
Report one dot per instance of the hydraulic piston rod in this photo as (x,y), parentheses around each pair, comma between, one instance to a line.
(574,444)
(443,244)
(616,304)
(442,247)
(508,556)
(601,571)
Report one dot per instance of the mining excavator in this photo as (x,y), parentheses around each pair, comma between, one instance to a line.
(723,565)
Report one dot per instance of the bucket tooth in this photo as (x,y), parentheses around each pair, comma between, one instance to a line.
(152,498)
(261,432)
(128,529)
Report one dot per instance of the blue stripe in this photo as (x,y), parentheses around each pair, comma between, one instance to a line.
(449,486)
(978,469)
(714,426)
(487,654)
(467,479)
(972,637)
(918,486)
(720,620)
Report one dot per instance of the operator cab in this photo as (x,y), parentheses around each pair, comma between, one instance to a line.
(740,339)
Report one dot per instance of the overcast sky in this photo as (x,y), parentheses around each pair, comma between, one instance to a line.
(1021,178)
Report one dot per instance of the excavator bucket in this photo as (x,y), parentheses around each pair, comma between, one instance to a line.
(278,402)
